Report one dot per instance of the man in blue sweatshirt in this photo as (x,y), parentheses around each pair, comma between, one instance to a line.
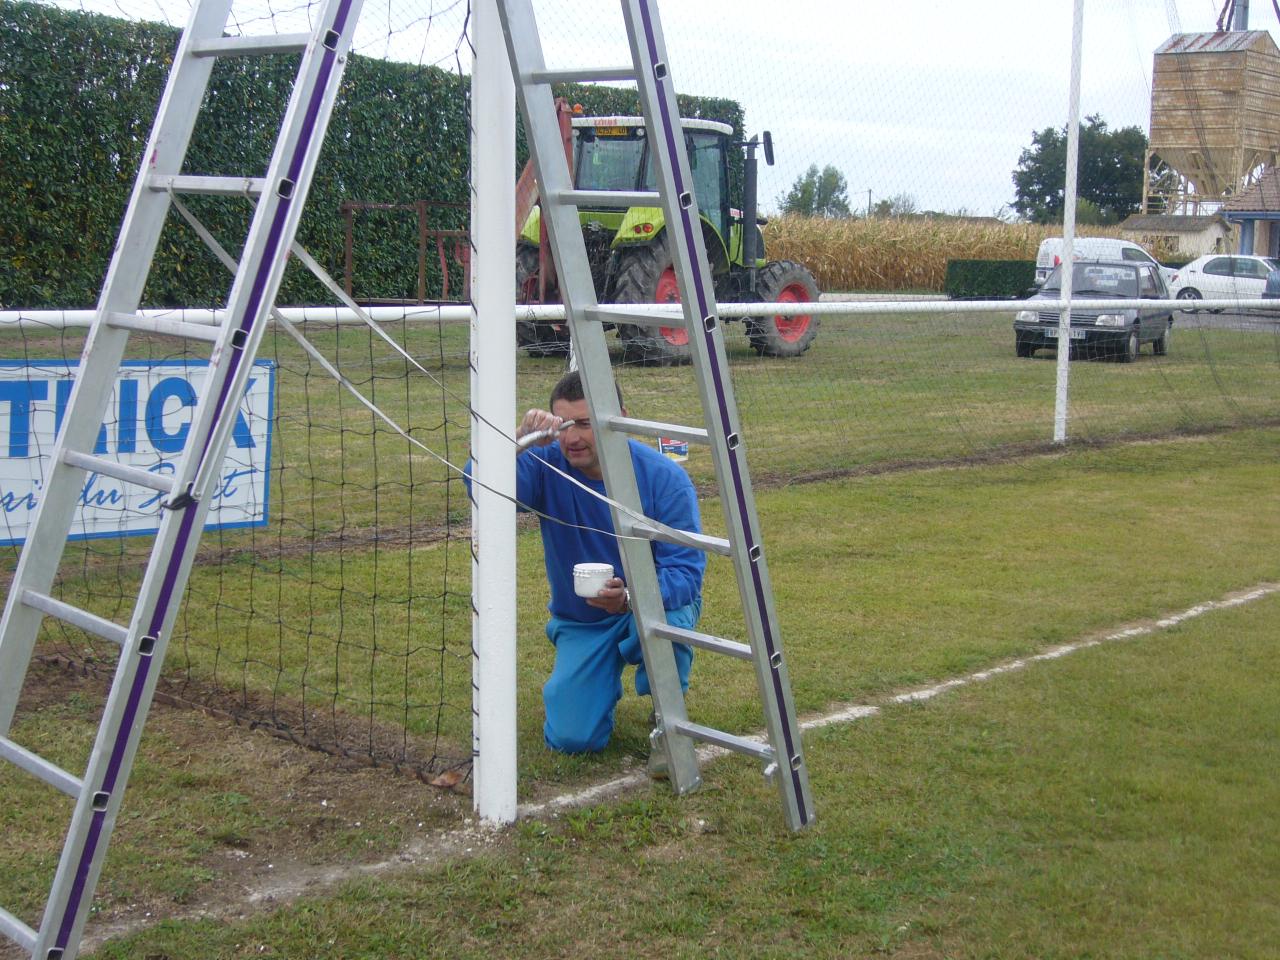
(596,638)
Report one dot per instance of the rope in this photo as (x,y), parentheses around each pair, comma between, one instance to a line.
(681,536)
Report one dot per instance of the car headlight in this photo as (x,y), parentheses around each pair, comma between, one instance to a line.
(1112,320)
(1025,316)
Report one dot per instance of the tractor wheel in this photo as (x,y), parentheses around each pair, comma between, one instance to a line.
(646,275)
(784,281)
(539,339)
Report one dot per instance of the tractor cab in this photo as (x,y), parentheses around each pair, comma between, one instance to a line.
(612,153)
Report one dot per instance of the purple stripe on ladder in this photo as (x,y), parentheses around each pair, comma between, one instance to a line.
(169,587)
(687,224)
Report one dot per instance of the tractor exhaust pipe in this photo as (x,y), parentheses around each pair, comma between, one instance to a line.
(750,206)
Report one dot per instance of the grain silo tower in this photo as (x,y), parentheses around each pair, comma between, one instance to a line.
(1215,119)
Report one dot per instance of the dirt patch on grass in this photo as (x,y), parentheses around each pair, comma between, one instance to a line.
(304,820)
(360,741)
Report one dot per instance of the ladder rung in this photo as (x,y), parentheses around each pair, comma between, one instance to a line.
(251,46)
(89,622)
(162,325)
(120,471)
(17,931)
(617,199)
(703,641)
(699,541)
(581,75)
(611,314)
(209,186)
(711,735)
(651,428)
(38,766)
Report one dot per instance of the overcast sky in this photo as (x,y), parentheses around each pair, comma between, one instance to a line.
(934,99)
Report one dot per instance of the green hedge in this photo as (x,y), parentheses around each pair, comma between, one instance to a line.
(78,94)
(989,279)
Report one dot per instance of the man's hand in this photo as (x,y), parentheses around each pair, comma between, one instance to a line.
(613,598)
(536,420)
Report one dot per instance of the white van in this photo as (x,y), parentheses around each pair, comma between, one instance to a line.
(1092,248)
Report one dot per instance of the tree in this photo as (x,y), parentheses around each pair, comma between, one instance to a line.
(815,194)
(1109,174)
(899,205)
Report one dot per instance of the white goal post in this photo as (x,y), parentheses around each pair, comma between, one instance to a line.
(493,379)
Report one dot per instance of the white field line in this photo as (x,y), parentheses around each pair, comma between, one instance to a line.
(854,712)
(292,881)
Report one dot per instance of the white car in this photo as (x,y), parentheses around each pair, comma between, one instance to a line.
(1223,276)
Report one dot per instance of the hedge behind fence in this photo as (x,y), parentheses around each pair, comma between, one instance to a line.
(78,94)
(989,279)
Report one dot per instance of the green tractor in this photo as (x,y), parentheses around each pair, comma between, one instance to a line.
(627,247)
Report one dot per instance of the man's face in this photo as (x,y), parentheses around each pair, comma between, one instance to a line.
(578,441)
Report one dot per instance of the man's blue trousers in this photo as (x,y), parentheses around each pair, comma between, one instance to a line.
(586,682)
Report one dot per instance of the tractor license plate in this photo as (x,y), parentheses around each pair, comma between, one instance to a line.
(1075,334)
(612,131)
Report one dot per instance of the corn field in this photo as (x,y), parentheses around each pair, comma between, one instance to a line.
(902,254)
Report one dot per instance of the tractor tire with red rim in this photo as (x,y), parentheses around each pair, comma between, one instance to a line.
(646,275)
(539,339)
(784,281)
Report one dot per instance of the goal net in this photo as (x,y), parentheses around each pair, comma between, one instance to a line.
(330,604)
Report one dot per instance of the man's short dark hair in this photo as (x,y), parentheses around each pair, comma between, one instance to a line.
(569,389)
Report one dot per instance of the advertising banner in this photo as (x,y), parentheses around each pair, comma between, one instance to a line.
(146,426)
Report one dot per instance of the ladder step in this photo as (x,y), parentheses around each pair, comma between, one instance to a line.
(616,199)
(620,315)
(17,931)
(169,328)
(581,75)
(251,46)
(699,541)
(703,641)
(38,766)
(208,186)
(89,622)
(119,471)
(652,428)
(711,735)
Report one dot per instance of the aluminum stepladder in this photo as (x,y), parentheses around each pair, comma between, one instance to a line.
(279,198)
(675,733)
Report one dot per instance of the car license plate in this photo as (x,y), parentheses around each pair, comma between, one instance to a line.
(1076,334)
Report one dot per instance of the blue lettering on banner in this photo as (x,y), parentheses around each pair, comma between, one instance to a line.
(18,395)
(150,420)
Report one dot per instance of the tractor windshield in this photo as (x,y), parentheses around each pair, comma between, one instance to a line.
(610,158)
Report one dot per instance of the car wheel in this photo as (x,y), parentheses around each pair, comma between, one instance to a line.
(1131,346)
(1024,348)
(1190,293)
(1160,345)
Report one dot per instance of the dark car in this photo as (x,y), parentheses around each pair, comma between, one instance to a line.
(1117,333)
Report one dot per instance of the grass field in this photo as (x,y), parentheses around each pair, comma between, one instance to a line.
(1079,808)
(1117,803)
(346,621)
